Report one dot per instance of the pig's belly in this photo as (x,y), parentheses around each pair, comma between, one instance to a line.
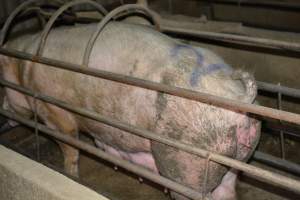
(144,159)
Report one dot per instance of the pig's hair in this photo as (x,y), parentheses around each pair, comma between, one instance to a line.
(249,83)
(246,78)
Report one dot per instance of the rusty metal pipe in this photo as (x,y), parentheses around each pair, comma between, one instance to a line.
(181,92)
(260,174)
(141,171)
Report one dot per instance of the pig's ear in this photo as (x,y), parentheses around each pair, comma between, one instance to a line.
(249,83)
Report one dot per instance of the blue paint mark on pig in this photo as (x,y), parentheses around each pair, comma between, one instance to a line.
(179,47)
(199,70)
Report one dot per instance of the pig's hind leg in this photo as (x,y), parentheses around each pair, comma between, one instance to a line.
(183,168)
(226,190)
(63,121)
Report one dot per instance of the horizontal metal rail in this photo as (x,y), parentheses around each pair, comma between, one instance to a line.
(287,128)
(277,162)
(292,92)
(110,158)
(275,4)
(181,92)
(260,174)
(252,41)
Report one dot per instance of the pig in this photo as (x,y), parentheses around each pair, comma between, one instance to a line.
(142,52)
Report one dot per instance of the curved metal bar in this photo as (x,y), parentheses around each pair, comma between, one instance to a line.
(55,15)
(107,19)
(12,17)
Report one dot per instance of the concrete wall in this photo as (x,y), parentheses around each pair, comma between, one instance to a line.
(24,179)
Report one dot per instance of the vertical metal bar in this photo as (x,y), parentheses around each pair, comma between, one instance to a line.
(36,130)
(212,9)
(205,180)
(170,6)
(279,101)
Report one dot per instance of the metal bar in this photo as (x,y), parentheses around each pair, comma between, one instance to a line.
(111,158)
(274,4)
(36,131)
(11,17)
(189,94)
(254,171)
(292,92)
(288,129)
(252,41)
(108,18)
(279,99)
(57,13)
(277,162)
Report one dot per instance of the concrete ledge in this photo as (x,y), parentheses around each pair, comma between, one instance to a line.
(24,179)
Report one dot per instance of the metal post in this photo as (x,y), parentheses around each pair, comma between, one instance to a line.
(279,101)
(36,130)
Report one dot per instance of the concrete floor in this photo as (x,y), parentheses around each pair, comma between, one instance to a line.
(122,185)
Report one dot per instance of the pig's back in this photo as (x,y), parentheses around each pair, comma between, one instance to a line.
(122,48)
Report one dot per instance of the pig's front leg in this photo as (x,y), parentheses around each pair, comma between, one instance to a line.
(226,190)
(59,119)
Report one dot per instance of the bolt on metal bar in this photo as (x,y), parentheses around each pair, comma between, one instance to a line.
(181,92)
(111,158)
(260,174)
